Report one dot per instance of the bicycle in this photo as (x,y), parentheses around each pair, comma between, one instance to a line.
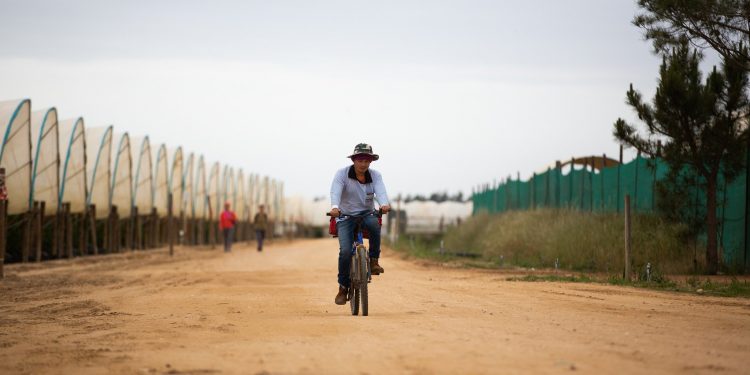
(359,269)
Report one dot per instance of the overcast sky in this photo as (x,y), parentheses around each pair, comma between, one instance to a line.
(451,94)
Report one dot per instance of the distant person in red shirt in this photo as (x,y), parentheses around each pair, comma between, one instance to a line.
(226,225)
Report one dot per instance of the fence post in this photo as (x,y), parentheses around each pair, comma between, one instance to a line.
(33,228)
(26,241)
(68,232)
(494,196)
(518,190)
(39,231)
(114,231)
(570,185)
(558,173)
(155,229)
(591,186)
(3,229)
(92,228)
(170,234)
(546,187)
(211,228)
(138,229)
(583,183)
(532,193)
(635,189)
(508,200)
(601,173)
(627,237)
(619,172)
(747,205)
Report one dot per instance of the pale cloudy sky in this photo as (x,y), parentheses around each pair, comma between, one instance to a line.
(451,94)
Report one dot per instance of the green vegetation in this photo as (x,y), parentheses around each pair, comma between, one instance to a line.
(579,241)
(734,288)
(588,244)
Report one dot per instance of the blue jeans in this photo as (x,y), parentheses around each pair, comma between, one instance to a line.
(228,239)
(346,230)
(259,236)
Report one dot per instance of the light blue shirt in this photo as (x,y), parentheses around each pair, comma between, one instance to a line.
(350,196)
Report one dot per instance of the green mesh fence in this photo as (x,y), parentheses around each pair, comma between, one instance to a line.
(604,191)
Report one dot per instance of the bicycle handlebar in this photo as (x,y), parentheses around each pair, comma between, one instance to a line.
(378,213)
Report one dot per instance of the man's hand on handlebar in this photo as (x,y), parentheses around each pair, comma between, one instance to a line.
(335,212)
(385,208)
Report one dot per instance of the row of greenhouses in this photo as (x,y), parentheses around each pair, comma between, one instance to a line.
(75,190)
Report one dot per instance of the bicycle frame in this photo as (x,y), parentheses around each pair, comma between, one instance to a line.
(360,273)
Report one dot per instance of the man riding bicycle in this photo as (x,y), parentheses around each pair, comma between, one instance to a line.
(353,191)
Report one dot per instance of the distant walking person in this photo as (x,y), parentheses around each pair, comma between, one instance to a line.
(260,223)
(226,224)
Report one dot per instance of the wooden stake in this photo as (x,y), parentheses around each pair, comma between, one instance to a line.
(92,228)
(68,232)
(138,230)
(130,229)
(55,233)
(82,248)
(39,232)
(211,226)
(26,242)
(154,236)
(3,232)
(170,237)
(627,237)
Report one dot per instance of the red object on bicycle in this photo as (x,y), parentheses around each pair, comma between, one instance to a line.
(333,231)
(332,227)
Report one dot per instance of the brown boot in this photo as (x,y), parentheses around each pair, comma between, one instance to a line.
(341,297)
(375,267)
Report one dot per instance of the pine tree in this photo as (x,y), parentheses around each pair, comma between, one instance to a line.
(720,25)
(703,126)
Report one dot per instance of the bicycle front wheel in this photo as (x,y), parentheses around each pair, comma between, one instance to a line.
(354,277)
(355,302)
(363,266)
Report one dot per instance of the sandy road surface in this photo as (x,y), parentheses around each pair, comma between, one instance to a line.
(204,312)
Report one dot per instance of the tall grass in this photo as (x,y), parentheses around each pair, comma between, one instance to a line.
(581,241)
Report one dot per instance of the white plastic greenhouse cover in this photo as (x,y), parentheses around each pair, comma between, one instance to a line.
(274,200)
(73,164)
(45,175)
(425,217)
(280,199)
(161,180)
(213,191)
(257,190)
(240,204)
(143,193)
(265,196)
(121,188)
(15,153)
(199,196)
(188,184)
(306,211)
(228,188)
(250,195)
(98,164)
(174,183)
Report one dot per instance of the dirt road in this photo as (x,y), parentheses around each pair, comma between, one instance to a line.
(205,312)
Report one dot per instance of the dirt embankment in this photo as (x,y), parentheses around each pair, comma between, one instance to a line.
(205,312)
